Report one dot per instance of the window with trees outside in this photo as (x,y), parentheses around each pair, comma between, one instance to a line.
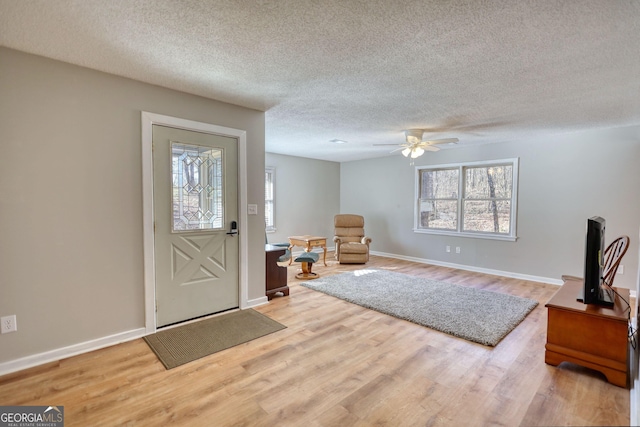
(470,199)
(269,199)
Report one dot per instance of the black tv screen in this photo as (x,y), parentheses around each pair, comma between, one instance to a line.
(594,292)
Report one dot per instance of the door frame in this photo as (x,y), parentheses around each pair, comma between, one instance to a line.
(148,120)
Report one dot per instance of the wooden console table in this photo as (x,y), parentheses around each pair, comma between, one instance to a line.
(308,242)
(588,335)
(276,276)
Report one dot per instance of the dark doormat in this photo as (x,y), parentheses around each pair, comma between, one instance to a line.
(186,343)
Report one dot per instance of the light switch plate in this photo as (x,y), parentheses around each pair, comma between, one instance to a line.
(252,209)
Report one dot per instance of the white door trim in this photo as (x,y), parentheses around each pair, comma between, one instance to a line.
(148,120)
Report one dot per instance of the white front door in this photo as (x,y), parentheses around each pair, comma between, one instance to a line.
(195,183)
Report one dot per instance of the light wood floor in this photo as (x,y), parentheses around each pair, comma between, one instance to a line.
(336,364)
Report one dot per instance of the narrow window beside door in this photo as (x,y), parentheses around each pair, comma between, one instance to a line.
(269,198)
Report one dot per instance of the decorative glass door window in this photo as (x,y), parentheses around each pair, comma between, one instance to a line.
(197,193)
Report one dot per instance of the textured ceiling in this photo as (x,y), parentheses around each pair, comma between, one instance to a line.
(362,71)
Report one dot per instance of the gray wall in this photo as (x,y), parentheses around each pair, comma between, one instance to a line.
(307,197)
(563,181)
(71,198)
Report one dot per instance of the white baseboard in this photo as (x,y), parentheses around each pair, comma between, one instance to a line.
(72,350)
(87,346)
(472,268)
(256,302)
(540,279)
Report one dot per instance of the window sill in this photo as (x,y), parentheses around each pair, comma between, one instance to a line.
(467,234)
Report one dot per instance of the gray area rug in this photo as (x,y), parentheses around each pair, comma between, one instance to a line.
(476,315)
(182,344)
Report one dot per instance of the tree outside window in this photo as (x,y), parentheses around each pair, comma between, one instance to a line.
(472,199)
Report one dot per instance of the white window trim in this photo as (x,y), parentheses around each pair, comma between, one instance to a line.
(459,233)
(272,170)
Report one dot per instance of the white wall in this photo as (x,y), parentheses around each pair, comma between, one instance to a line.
(71,199)
(563,181)
(307,195)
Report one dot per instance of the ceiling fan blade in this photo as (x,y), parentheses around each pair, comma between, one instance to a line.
(442,141)
(415,146)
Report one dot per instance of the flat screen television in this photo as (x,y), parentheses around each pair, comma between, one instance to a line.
(595,291)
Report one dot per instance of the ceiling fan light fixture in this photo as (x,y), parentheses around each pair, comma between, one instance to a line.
(415,146)
(417,152)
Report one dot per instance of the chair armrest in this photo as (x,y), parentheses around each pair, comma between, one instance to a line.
(337,239)
(366,240)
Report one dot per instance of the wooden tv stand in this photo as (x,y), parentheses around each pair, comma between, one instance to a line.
(588,335)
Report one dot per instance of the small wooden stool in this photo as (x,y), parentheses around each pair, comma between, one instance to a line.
(307,259)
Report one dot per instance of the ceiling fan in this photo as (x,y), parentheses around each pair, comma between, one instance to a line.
(415,146)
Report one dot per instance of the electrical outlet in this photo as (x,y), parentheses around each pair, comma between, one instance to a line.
(8,324)
(457,249)
(448,248)
(621,269)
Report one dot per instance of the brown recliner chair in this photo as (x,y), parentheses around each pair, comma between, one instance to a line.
(352,246)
